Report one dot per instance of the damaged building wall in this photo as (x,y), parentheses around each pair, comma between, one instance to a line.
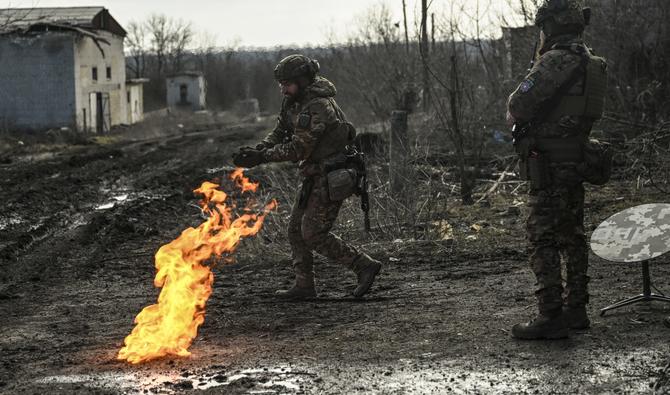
(100,82)
(135,100)
(186,91)
(37,86)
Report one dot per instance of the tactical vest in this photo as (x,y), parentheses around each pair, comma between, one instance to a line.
(591,102)
(334,139)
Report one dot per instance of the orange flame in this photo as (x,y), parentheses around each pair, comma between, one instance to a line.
(169,327)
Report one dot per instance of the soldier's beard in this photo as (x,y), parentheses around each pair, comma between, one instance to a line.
(292,98)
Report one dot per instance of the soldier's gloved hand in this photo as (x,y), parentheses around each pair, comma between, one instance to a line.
(248,157)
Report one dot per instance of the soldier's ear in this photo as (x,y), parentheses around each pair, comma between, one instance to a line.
(315,66)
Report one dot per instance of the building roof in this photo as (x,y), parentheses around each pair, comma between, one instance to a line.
(89,18)
(137,81)
(187,73)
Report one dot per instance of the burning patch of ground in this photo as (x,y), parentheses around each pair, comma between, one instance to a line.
(438,319)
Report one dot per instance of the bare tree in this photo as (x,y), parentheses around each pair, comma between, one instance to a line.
(9,16)
(466,85)
(181,37)
(424,54)
(376,62)
(169,39)
(137,46)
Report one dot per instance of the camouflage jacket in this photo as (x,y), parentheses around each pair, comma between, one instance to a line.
(553,69)
(301,124)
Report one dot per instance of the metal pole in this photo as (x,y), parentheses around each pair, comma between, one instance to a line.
(646,280)
(399,144)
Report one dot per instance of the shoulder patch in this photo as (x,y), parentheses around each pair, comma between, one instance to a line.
(526,85)
(304,120)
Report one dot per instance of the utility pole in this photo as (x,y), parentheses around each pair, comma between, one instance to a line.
(424,54)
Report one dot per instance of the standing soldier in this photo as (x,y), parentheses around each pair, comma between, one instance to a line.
(553,111)
(313,131)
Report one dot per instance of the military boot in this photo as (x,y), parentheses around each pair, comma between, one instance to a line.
(366,269)
(301,290)
(575,317)
(544,326)
(304,282)
(297,293)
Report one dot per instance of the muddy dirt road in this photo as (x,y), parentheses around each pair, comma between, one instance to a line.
(78,231)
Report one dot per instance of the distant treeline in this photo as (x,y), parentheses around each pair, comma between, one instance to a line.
(381,68)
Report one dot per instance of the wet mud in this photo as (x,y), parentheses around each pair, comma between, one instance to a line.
(78,230)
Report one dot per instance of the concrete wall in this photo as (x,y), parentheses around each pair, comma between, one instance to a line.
(519,44)
(88,55)
(37,87)
(197,92)
(135,102)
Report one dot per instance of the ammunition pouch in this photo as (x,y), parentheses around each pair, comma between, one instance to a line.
(561,149)
(341,184)
(596,168)
(538,155)
(342,175)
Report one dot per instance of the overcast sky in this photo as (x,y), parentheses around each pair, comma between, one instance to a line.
(254,23)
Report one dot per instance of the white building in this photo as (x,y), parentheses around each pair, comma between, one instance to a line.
(186,91)
(64,67)
(135,99)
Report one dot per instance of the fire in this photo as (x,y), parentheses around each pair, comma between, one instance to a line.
(169,327)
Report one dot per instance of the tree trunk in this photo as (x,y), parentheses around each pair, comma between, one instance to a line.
(424,54)
(404,18)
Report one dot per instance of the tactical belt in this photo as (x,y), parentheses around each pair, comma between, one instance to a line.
(561,149)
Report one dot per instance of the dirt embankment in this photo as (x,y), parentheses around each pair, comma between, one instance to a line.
(78,231)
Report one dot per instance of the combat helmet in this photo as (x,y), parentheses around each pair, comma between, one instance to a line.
(295,68)
(568,14)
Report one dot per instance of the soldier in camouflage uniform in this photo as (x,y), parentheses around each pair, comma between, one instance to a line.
(553,111)
(311,129)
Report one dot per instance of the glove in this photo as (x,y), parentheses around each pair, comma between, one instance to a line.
(248,157)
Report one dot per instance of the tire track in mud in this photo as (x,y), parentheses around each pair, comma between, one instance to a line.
(437,321)
(49,263)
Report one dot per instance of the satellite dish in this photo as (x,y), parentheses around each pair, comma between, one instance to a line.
(637,234)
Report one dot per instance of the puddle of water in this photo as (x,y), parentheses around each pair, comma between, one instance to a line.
(124,198)
(10,221)
(105,206)
(175,382)
(119,199)
(622,369)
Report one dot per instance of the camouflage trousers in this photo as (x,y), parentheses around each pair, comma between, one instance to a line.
(555,229)
(309,231)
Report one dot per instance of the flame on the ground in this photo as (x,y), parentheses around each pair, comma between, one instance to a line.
(169,327)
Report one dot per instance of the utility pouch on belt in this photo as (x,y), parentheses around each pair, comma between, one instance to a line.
(341,184)
(305,191)
(538,171)
(597,165)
